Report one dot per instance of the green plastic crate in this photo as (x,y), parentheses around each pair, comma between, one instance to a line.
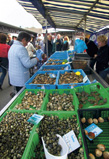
(103,138)
(61,91)
(93,87)
(64,115)
(28,152)
(107,89)
(18,100)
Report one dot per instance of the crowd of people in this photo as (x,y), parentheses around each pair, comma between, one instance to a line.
(19,54)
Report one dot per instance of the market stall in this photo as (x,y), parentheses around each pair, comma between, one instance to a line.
(58,107)
(73,103)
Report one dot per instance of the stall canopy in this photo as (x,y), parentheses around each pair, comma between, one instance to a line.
(70,14)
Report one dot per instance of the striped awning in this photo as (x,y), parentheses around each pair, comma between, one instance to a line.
(70,14)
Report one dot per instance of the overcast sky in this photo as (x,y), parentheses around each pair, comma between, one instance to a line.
(12,12)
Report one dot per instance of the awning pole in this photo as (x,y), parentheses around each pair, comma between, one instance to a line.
(46,41)
(84,28)
(55,39)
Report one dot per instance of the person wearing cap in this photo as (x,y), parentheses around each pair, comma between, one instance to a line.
(20,62)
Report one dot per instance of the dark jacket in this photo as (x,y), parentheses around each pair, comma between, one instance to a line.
(102,58)
(91,49)
(58,45)
(65,46)
(49,48)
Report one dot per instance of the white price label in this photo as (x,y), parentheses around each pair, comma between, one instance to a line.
(72,87)
(85,79)
(71,141)
(66,68)
(42,87)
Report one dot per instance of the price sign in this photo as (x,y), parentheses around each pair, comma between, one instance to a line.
(71,141)
(85,79)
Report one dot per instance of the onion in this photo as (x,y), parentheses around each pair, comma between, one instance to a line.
(91,156)
(106,155)
(91,135)
(100,119)
(101,147)
(98,153)
(95,121)
(83,120)
(90,121)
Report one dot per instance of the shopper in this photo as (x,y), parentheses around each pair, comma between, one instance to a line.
(58,43)
(91,51)
(4,48)
(30,48)
(19,61)
(65,45)
(102,56)
(39,54)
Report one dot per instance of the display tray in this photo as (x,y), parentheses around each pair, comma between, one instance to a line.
(62,103)
(72,85)
(48,63)
(13,134)
(29,105)
(99,99)
(102,138)
(30,85)
(55,67)
(62,116)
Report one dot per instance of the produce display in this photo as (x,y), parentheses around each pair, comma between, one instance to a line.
(70,77)
(31,101)
(14,135)
(60,102)
(62,110)
(43,79)
(53,60)
(92,98)
(51,125)
(54,63)
(62,68)
(99,146)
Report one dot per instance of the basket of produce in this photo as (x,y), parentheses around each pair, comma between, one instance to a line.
(55,67)
(42,80)
(79,64)
(92,96)
(94,125)
(72,78)
(58,123)
(15,135)
(30,100)
(60,100)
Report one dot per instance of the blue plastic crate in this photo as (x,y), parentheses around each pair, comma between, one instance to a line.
(72,85)
(56,67)
(28,84)
(60,63)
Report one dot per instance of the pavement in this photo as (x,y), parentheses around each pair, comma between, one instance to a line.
(5,93)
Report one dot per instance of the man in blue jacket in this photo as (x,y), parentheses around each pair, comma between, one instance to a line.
(19,61)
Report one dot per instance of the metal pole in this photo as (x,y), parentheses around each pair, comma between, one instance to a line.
(84,28)
(55,39)
(46,41)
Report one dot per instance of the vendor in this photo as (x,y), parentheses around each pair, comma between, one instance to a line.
(102,57)
(91,51)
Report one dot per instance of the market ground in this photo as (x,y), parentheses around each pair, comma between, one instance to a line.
(5,93)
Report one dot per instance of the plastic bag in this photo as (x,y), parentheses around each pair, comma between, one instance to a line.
(80,46)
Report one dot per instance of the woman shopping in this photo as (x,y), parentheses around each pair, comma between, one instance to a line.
(4,48)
